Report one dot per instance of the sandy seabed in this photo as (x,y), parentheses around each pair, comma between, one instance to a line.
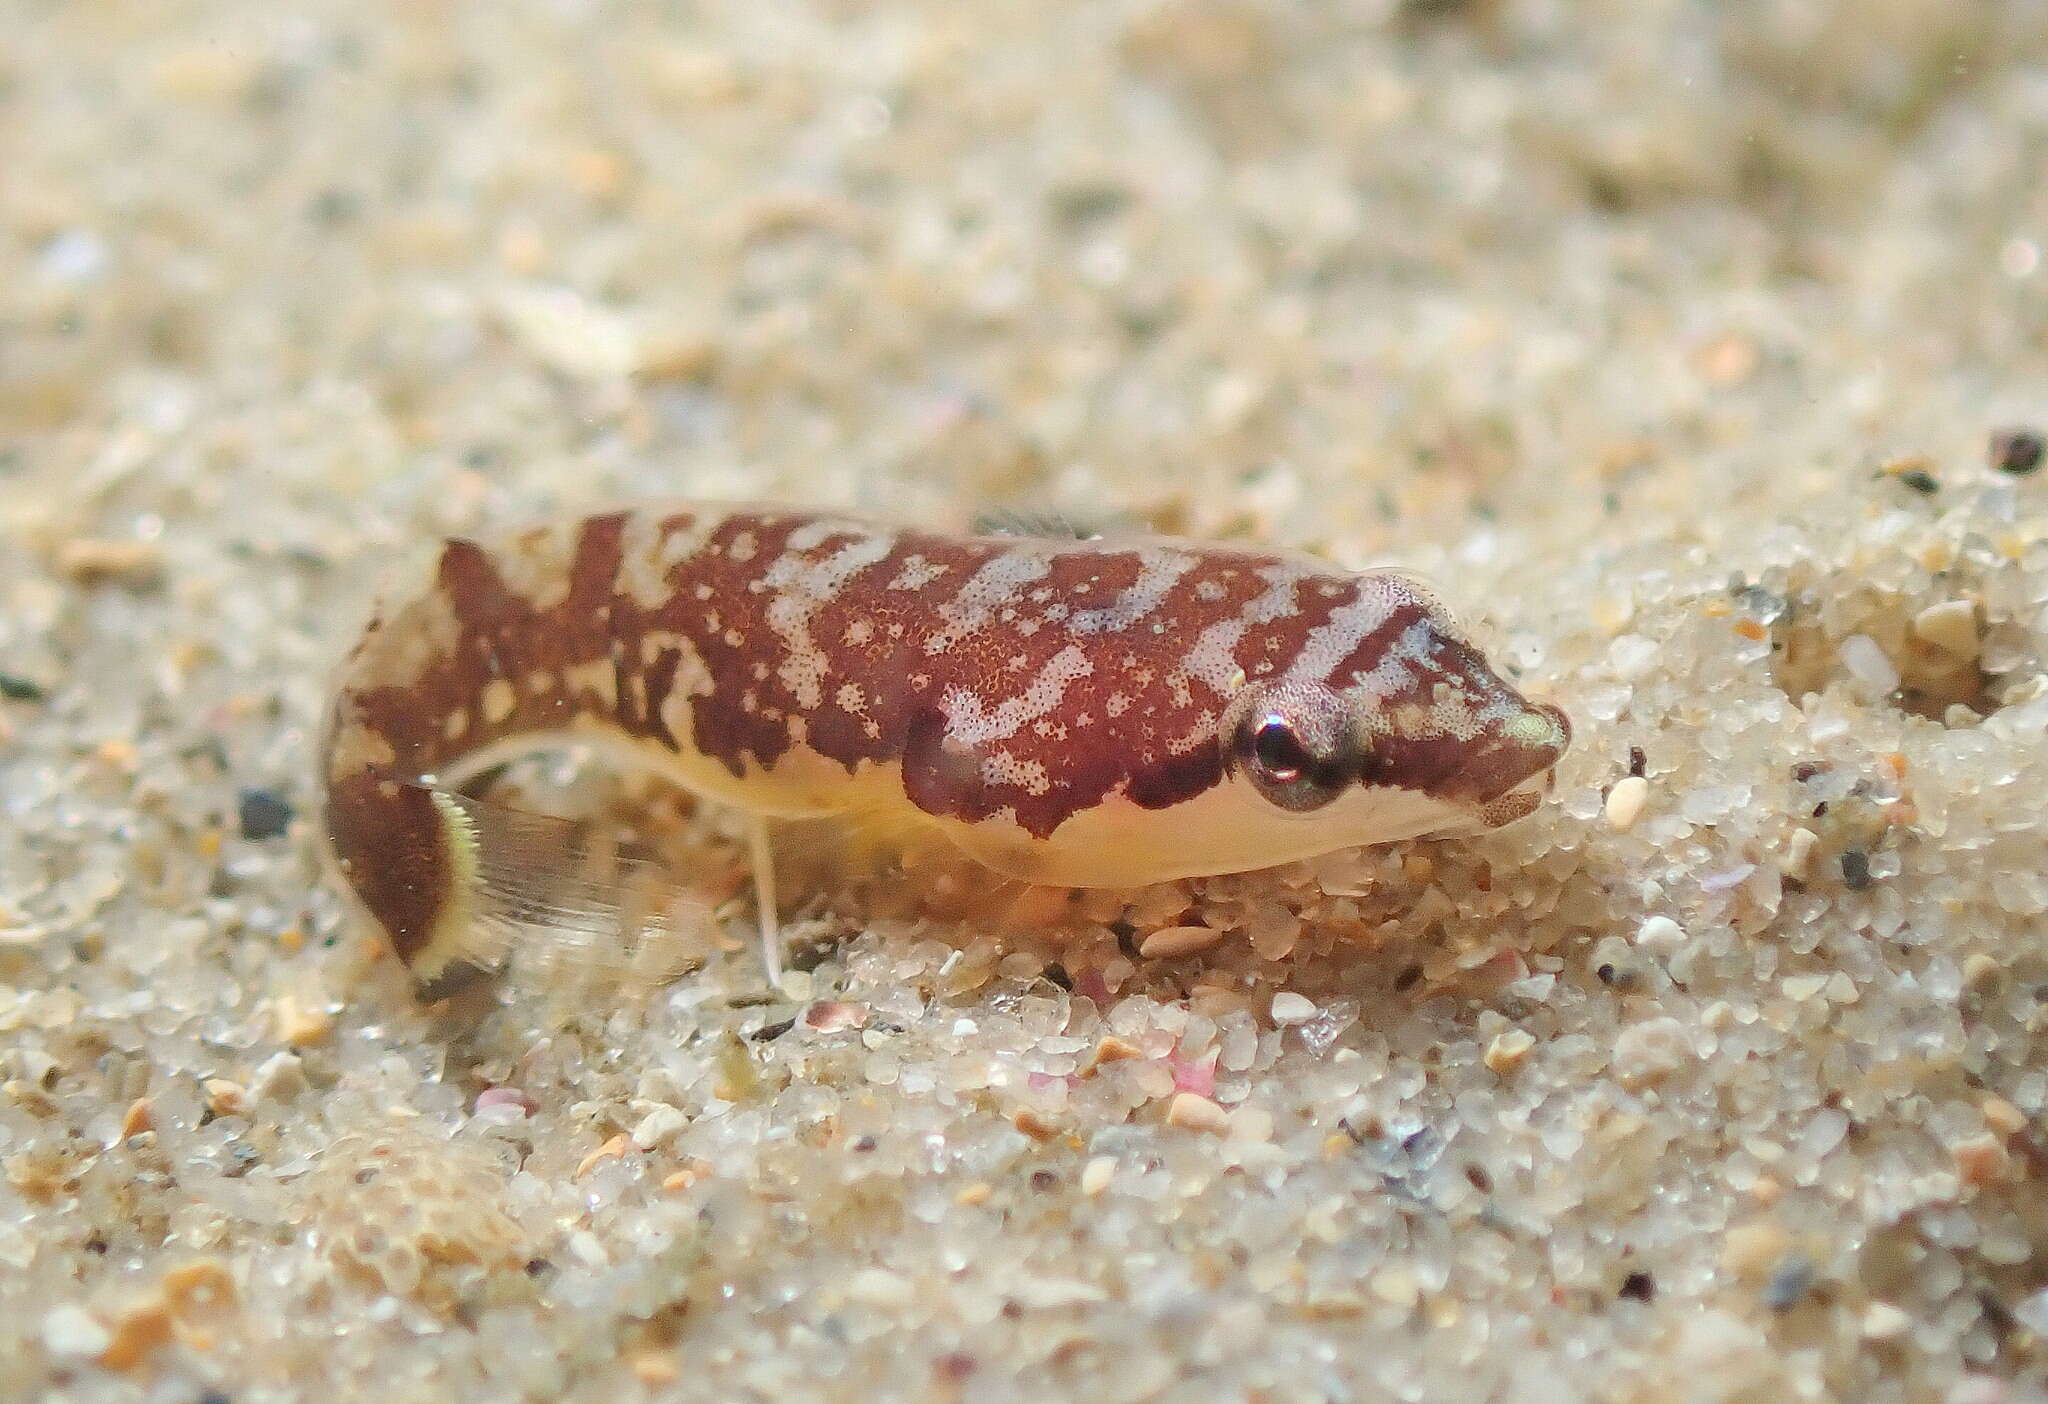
(1678,340)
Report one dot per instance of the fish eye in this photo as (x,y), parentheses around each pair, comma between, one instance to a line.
(1278,751)
(1292,760)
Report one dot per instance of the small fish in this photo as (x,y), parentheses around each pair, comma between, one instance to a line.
(1098,712)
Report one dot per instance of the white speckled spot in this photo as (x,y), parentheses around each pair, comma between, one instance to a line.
(1625,801)
(972,723)
(497,701)
(536,565)
(1158,572)
(804,587)
(1291,1008)
(995,584)
(650,549)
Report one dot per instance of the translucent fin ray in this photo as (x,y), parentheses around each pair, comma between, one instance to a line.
(543,894)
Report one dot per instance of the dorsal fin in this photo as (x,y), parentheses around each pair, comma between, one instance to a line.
(1047,522)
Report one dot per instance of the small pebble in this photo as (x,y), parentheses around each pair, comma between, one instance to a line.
(1626,800)
(87,561)
(1646,1054)
(1273,933)
(1396,1285)
(73,256)
(1509,1050)
(1799,853)
(1980,1160)
(138,1332)
(656,1368)
(225,1098)
(1855,869)
(880,1288)
(833,1016)
(1251,1123)
(581,339)
(1950,626)
(1291,1008)
(1097,1174)
(2032,1312)
(1750,1251)
(2017,451)
(1052,1293)
(300,1025)
(1867,663)
(1110,1050)
(1981,971)
(1170,941)
(264,814)
(281,1077)
(201,1281)
(73,1333)
(610,1150)
(1638,1287)
(1034,1124)
(1197,1113)
(20,689)
(659,1127)
(1659,932)
(1727,360)
(2002,1116)
(955,1366)
(506,1097)
(1801,988)
(1884,1322)
(139,1117)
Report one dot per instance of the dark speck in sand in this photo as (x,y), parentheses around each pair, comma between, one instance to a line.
(264,814)
(2018,451)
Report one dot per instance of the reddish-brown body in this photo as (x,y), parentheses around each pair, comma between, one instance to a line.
(1010,691)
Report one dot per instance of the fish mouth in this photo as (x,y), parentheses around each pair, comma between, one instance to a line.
(1515,766)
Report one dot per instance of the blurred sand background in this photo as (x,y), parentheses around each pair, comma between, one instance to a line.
(1670,336)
